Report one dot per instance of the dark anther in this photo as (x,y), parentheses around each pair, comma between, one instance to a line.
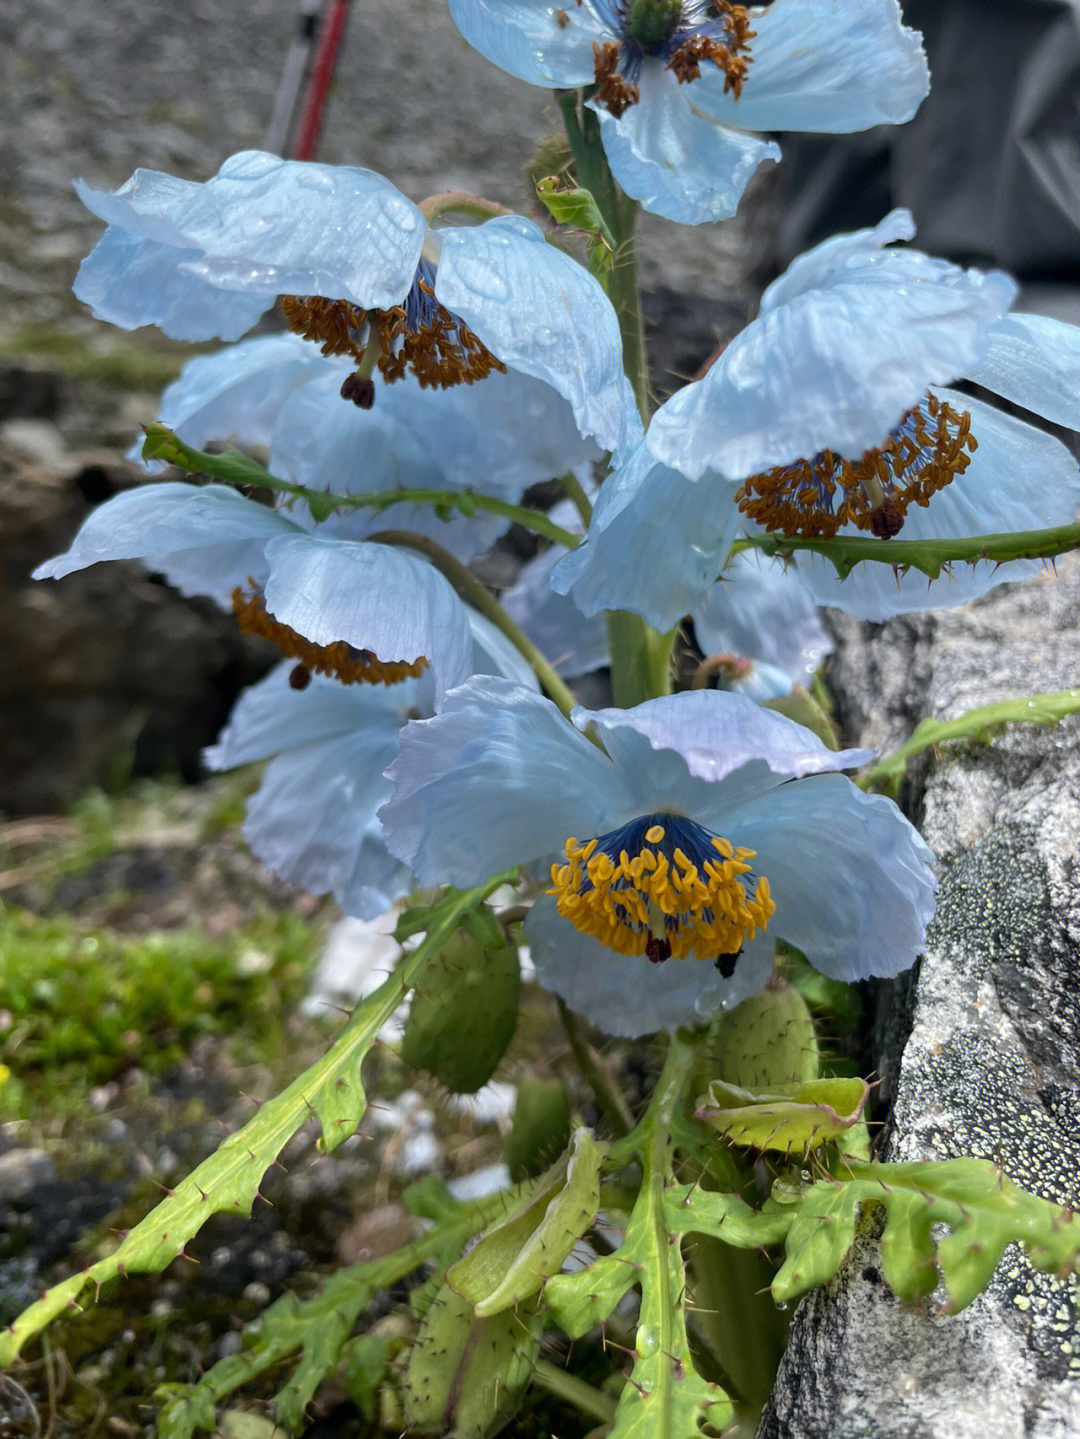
(657,950)
(299,677)
(360,391)
(887,520)
(726,963)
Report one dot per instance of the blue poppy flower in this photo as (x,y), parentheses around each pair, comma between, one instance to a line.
(358,270)
(277,391)
(831,411)
(684,841)
(334,606)
(682,84)
(313,818)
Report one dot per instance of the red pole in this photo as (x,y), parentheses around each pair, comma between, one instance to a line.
(333,28)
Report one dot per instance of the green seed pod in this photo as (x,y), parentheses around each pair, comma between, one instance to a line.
(768,1040)
(541,1126)
(464,1011)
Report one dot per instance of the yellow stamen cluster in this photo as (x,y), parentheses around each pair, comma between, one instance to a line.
(441,351)
(930,446)
(351,666)
(651,904)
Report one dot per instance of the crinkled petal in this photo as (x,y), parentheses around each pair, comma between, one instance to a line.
(130,281)
(826,65)
(205,540)
(834,368)
(676,159)
(493,654)
(761,609)
(816,267)
(542,313)
(717,734)
(497,778)
(374,597)
(655,544)
(574,643)
(1034,361)
(626,995)
(1020,478)
(262,227)
(525,38)
(237,394)
(850,877)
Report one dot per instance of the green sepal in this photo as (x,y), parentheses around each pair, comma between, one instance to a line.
(466,1375)
(767,1040)
(540,1129)
(514,1258)
(577,207)
(801,706)
(464,1013)
(789,1118)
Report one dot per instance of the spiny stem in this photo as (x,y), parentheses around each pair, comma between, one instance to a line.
(574,1391)
(471,589)
(460,202)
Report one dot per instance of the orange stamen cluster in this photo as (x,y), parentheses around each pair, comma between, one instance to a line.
(660,901)
(930,446)
(349,665)
(616,63)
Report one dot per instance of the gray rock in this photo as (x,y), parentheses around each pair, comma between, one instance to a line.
(980,1050)
(22,1171)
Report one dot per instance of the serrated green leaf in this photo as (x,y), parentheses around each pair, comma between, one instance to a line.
(821,1233)
(331,1090)
(689,1209)
(789,1118)
(979,724)
(466,1375)
(514,1258)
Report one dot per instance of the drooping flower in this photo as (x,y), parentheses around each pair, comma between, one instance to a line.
(687,838)
(831,413)
(362,273)
(313,818)
(334,606)
(682,84)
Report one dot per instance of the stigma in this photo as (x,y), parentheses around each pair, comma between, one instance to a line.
(663,886)
(930,446)
(343,661)
(681,33)
(419,335)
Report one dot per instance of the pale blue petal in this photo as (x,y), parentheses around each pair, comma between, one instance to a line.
(825,65)
(763,683)
(573,643)
(374,597)
(673,157)
(717,733)
(493,654)
(205,540)
(850,877)
(834,368)
(1019,478)
(655,545)
(497,778)
(626,995)
(261,227)
(761,609)
(542,313)
(1034,361)
(524,38)
(816,267)
(130,281)
(237,394)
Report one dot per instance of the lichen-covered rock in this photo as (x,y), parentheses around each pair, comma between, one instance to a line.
(980,1049)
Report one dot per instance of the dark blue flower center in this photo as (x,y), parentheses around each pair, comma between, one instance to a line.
(681,34)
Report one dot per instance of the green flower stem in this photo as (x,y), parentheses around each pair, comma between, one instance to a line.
(234,468)
(574,491)
(471,589)
(931,557)
(640,659)
(575,1391)
(460,202)
(607,1093)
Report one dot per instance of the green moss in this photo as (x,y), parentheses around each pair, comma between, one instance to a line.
(115,361)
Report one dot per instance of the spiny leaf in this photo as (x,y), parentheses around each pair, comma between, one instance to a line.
(331,1090)
(981,724)
(789,1117)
